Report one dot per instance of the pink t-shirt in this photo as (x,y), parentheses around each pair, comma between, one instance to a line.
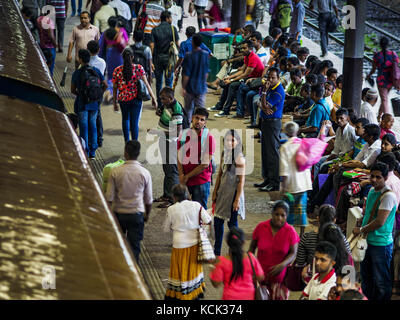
(385,131)
(241,288)
(191,161)
(272,250)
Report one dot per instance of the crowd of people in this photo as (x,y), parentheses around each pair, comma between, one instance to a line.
(269,78)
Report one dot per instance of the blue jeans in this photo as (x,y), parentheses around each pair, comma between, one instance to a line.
(219,230)
(88,129)
(159,71)
(132,225)
(241,94)
(73,6)
(200,193)
(376,280)
(131,111)
(252,105)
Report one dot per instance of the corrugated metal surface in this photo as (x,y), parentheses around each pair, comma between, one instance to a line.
(53,215)
(20,58)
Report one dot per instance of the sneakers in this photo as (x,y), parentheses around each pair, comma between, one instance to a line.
(214,108)
(236,116)
(269,188)
(221,114)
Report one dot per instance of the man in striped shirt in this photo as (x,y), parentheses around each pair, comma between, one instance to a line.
(169,128)
(61,8)
(153,10)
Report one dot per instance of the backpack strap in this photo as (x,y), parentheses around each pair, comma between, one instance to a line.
(116,11)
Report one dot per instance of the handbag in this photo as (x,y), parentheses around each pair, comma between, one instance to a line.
(261,292)
(396,75)
(142,92)
(173,53)
(358,244)
(255,84)
(293,278)
(205,254)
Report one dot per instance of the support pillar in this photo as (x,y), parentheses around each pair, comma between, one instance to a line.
(238,17)
(353,58)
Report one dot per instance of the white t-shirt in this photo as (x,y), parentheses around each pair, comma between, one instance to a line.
(122,7)
(319,290)
(367,111)
(368,154)
(176,13)
(201,3)
(296,181)
(99,63)
(183,219)
(264,55)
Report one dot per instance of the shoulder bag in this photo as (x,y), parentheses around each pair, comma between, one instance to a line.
(205,253)
(358,244)
(262,292)
(172,55)
(293,278)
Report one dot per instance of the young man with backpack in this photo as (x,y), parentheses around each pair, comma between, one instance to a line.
(88,85)
(196,147)
(172,120)
(142,53)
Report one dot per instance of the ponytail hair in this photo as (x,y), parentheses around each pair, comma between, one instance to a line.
(235,240)
(127,70)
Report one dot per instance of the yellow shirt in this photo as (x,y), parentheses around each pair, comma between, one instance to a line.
(337,97)
(250,3)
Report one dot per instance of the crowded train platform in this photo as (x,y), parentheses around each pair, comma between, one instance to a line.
(139,127)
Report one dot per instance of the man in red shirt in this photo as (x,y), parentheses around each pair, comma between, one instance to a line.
(196,147)
(252,68)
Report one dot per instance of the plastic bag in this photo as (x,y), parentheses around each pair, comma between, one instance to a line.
(309,152)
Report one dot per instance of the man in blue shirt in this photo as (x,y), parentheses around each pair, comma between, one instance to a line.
(186,46)
(272,100)
(195,73)
(87,113)
(319,112)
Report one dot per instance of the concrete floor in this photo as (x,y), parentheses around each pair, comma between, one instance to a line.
(157,245)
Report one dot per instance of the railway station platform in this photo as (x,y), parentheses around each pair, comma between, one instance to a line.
(157,246)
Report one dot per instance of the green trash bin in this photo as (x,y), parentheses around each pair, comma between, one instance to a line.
(218,43)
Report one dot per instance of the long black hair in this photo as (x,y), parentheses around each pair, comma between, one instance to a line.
(235,240)
(111,32)
(326,214)
(127,70)
(332,234)
(384,43)
(238,150)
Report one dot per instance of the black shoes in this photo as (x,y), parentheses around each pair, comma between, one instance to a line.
(261,185)
(269,188)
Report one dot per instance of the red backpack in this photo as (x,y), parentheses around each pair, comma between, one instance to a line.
(142,19)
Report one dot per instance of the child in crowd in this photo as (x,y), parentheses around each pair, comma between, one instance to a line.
(302,54)
(337,95)
(311,79)
(387,124)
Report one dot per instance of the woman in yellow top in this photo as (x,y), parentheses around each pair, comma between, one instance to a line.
(337,95)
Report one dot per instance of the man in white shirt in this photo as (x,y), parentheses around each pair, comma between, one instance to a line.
(129,193)
(366,110)
(325,278)
(344,141)
(295,182)
(176,13)
(99,63)
(122,7)
(261,52)
(101,17)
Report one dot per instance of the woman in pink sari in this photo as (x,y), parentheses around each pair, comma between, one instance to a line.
(112,42)
(276,242)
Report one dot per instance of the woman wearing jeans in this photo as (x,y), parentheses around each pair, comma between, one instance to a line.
(125,80)
(228,195)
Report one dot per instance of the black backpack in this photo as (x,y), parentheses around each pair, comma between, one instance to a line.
(90,87)
(124,23)
(139,57)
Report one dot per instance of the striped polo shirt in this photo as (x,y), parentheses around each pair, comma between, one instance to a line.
(171,115)
(153,10)
(59,6)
